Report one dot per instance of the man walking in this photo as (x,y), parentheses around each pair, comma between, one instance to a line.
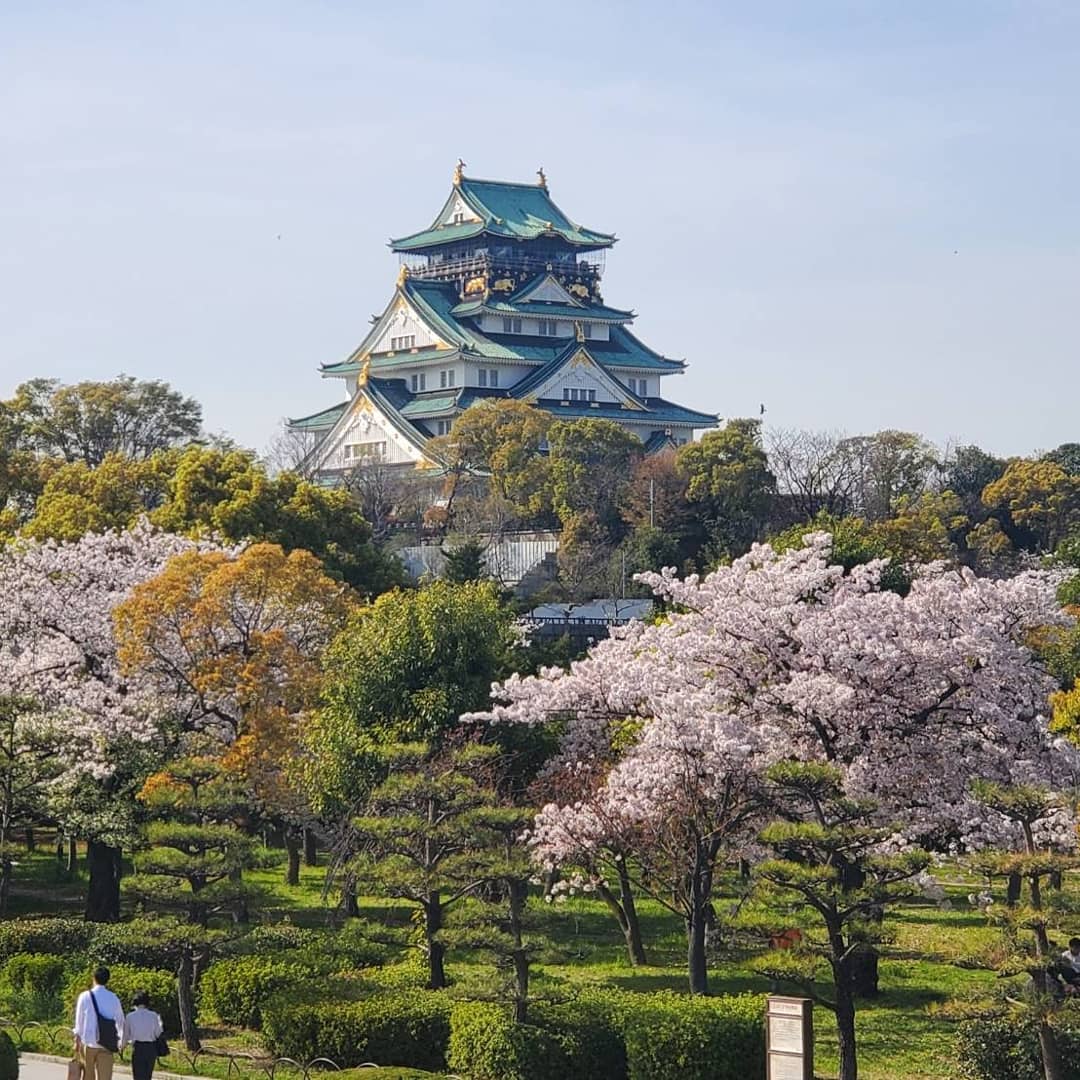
(99,1027)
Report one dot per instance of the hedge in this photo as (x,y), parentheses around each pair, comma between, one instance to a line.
(486,1044)
(410,1029)
(124,981)
(148,942)
(30,986)
(234,991)
(672,1037)
(54,936)
(1007,1048)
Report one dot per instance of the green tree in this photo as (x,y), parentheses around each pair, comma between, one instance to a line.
(500,439)
(590,463)
(78,498)
(229,493)
(1037,502)
(729,480)
(465,562)
(403,670)
(1067,455)
(28,761)
(88,421)
(823,836)
(424,834)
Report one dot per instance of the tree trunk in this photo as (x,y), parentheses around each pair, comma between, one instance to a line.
(311,848)
(845,1024)
(241,911)
(1054,880)
(292,846)
(1012,890)
(59,848)
(31,840)
(519,891)
(697,968)
(863,964)
(349,901)
(1053,1069)
(436,950)
(185,994)
(635,944)
(103,891)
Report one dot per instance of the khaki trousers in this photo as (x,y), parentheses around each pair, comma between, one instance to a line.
(98,1063)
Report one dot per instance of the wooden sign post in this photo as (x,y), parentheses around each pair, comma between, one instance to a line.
(789,1038)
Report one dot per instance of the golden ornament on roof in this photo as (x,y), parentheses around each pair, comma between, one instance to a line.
(579,331)
(476,285)
(402,275)
(459,172)
(542,179)
(504,284)
(578,290)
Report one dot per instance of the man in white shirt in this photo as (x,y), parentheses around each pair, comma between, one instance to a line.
(96,1058)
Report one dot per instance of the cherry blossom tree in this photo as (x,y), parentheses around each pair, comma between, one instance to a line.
(786,656)
(57,649)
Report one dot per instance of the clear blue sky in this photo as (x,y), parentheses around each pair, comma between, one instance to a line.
(864,215)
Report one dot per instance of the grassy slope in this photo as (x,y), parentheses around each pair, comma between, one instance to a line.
(899,1039)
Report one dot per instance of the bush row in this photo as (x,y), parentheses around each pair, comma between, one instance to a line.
(152,942)
(1007,1048)
(617,1035)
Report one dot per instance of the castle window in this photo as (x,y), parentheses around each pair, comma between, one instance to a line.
(442,427)
(418,381)
(370,451)
(406,341)
(586,329)
(488,376)
(577,393)
(446,378)
(639,386)
(482,376)
(546,327)
(511,325)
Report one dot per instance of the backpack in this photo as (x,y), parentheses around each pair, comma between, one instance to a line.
(108,1037)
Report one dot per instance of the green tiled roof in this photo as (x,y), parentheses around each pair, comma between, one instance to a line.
(429,406)
(657,411)
(593,313)
(320,421)
(512,211)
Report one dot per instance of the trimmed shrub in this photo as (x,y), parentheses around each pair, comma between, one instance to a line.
(148,942)
(1007,1048)
(486,1044)
(234,991)
(124,981)
(410,1029)
(670,1037)
(591,1023)
(270,940)
(9,1058)
(54,936)
(31,984)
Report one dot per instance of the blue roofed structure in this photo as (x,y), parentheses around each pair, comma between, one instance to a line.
(500,297)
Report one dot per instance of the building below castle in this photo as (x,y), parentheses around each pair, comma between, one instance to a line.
(499,298)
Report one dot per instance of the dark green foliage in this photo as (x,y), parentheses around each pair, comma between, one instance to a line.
(124,981)
(9,1058)
(591,1023)
(486,1044)
(56,937)
(672,1037)
(234,991)
(1007,1048)
(404,668)
(465,563)
(30,986)
(145,942)
(410,1028)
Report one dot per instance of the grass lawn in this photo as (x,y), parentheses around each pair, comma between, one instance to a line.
(930,958)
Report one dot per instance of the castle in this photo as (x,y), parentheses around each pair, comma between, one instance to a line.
(498,298)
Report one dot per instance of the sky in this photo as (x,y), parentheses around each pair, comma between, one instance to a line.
(863,215)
